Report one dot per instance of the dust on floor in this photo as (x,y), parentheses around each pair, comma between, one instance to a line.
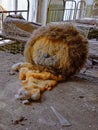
(76,100)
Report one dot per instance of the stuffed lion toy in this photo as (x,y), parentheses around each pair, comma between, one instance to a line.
(53,53)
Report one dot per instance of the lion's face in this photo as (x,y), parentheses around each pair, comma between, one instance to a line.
(49,53)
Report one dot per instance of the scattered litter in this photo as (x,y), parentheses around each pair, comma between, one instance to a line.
(81,96)
(90,107)
(62,120)
(12,73)
(26,102)
(19,121)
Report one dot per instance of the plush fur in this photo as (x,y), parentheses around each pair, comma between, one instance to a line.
(34,82)
(57,48)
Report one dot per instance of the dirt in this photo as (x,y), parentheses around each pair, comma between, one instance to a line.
(76,100)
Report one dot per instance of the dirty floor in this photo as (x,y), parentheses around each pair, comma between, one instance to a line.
(76,100)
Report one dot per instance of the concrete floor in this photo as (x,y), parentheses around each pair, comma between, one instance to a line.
(76,100)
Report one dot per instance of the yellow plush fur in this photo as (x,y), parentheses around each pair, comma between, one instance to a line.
(34,81)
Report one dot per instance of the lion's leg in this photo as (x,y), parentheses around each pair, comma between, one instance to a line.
(46,76)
